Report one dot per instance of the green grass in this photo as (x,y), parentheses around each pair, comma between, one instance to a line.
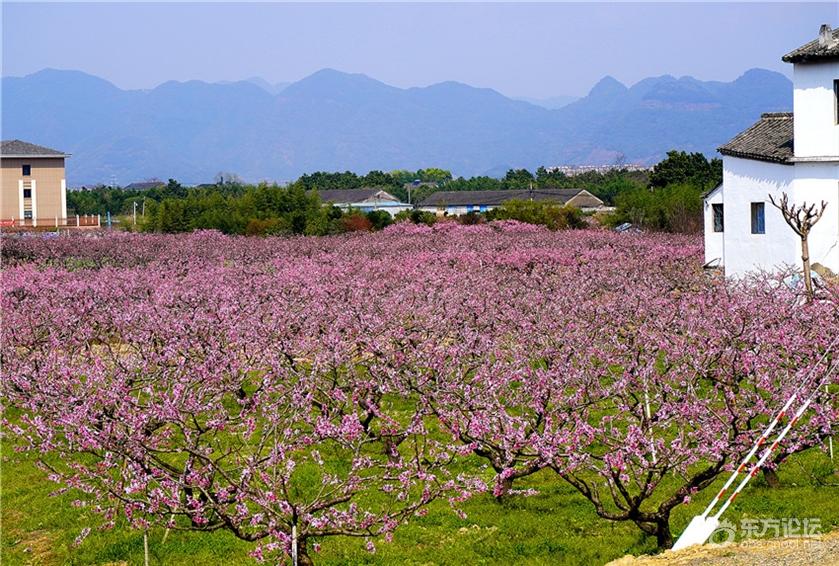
(558,526)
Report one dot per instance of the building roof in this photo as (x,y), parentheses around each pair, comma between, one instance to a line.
(825,48)
(17,148)
(769,139)
(351,196)
(710,192)
(495,198)
(144,185)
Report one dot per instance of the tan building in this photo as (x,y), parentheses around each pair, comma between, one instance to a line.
(33,188)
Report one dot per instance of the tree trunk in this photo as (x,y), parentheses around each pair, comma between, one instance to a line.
(663,536)
(808,276)
(303,558)
(771,477)
(506,486)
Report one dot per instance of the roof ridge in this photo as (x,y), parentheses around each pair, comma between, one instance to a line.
(16,147)
(776,115)
(824,47)
(768,139)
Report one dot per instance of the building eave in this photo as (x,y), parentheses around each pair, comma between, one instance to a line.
(810,59)
(816,159)
(709,193)
(755,157)
(35,156)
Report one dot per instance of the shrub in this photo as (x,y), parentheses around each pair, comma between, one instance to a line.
(676,208)
(356,222)
(472,218)
(552,215)
(257,227)
(379,219)
(417,217)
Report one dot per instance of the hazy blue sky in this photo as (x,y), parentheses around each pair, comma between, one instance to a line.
(536,50)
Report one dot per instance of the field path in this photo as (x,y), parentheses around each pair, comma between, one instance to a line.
(822,550)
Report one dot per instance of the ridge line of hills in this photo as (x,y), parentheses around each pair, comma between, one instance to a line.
(336,121)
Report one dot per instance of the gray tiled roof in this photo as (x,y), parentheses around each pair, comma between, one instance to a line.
(9,148)
(494,198)
(769,139)
(825,47)
(353,195)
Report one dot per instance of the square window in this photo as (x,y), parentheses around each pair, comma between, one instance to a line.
(718,217)
(27,193)
(27,214)
(26,170)
(758,218)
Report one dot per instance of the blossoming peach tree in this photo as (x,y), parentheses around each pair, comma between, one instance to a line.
(290,390)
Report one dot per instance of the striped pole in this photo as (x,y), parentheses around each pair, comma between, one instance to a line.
(750,455)
(756,468)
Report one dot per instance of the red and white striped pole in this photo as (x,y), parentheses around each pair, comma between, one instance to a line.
(750,455)
(756,468)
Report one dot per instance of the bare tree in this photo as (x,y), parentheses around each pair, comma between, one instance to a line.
(801,218)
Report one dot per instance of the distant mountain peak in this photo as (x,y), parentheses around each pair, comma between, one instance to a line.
(330,74)
(328,83)
(761,76)
(606,87)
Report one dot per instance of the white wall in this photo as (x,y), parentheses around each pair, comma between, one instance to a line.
(714,247)
(816,182)
(747,181)
(454,210)
(814,105)
(391,208)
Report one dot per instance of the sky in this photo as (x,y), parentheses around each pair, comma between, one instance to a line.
(536,50)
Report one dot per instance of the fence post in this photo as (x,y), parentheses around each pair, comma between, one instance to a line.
(99,220)
(56,221)
(77,221)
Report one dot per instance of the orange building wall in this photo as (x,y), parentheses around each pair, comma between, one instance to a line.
(48,174)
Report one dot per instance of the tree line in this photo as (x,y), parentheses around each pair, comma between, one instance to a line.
(667,198)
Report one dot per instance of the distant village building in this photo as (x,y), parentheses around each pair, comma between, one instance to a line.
(364,200)
(794,153)
(572,170)
(34,187)
(456,203)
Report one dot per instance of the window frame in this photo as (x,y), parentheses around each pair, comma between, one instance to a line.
(718,228)
(758,217)
(836,101)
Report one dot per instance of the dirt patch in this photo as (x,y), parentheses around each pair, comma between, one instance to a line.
(35,546)
(822,550)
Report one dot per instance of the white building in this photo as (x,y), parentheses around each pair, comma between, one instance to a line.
(364,200)
(457,203)
(794,153)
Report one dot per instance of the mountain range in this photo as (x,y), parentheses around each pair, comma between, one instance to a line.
(334,121)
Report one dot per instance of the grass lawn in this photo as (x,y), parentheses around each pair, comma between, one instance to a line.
(558,526)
